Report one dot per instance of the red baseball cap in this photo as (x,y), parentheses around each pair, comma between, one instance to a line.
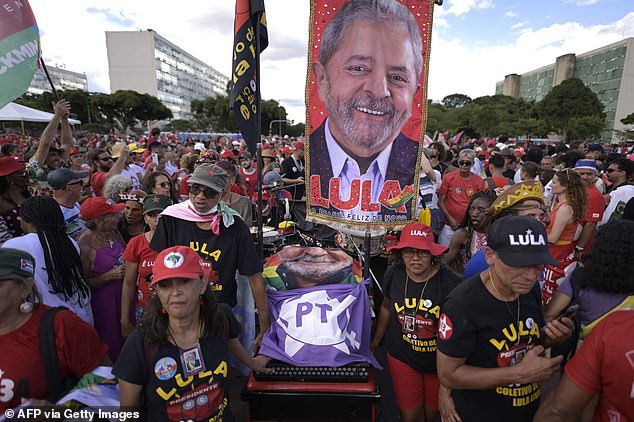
(10,165)
(418,236)
(227,153)
(74,150)
(287,150)
(177,262)
(98,206)
(491,142)
(298,145)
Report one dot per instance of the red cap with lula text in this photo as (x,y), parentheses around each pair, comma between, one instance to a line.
(418,236)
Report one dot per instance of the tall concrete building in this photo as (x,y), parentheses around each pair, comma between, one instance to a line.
(145,62)
(608,71)
(63,79)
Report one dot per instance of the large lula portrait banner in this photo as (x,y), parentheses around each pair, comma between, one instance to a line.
(366,94)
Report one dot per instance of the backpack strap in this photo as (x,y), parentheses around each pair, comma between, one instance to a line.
(48,348)
(491,183)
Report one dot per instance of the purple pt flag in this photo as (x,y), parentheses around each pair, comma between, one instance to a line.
(327,325)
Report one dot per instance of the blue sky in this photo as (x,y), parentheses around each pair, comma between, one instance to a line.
(475,43)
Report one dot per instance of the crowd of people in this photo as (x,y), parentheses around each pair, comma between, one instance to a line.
(146,242)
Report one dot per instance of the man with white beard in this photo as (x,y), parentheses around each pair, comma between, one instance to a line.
(368,72)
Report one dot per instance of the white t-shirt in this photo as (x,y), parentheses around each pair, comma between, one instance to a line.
(428,190)
(74,225)
(30,243)
(618,200)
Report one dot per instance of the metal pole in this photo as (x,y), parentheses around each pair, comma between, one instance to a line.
(50,81)
(258,120)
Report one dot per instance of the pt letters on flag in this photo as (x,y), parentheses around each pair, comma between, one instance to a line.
(243,98)
(327,325)
(19,49)
(366,113)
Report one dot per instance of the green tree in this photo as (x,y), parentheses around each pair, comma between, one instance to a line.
(628,120)
(567,100)
(182,125)
(456,101)
(586,127)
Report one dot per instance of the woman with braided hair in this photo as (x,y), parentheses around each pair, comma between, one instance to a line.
(471,237)
(58,270)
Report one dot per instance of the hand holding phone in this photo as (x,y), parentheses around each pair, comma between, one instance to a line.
(544,339)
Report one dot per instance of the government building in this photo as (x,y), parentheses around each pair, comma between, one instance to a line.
(608,71)
(145,62)
(63,79)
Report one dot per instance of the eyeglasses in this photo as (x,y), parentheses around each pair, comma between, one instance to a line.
(79,182)
(464,163)
(409,253)
(208,192)
(612,170)
(164,185)
(105,159)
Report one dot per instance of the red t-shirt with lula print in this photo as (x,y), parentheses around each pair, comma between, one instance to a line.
(138,250)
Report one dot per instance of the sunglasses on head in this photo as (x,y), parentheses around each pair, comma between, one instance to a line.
(208,192)
(464,163)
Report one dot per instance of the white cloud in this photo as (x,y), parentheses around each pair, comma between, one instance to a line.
(518,25)
(510,14)
(583,2)
(462,7)
(533,48)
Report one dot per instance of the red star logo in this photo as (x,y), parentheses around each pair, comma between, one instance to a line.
(445,329)
(155,199)
(211,171)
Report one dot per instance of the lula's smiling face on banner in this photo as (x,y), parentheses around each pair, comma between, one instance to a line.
(368,86)
(314,264)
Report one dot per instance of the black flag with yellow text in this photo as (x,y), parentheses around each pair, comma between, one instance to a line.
(243,100)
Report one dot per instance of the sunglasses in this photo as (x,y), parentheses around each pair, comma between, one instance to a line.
(164,185)
(208,192)
(612,170)
(464,163)
(105,159)
(409,253)
(79,182)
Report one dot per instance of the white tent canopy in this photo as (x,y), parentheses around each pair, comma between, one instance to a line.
(20,113)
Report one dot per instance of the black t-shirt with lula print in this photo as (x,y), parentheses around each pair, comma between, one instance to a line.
(487,332)
(233,249)
(170,395)
(411,332)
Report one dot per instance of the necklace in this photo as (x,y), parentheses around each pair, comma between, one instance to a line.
(192,359)
(508,307)
(110,241)
(421,293)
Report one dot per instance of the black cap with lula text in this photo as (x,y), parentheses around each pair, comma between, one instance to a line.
(520,242)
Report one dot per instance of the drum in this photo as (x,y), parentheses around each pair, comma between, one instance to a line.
(347,239)
(265,230)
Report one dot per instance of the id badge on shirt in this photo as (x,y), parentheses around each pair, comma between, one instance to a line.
(192,361)
(409,321)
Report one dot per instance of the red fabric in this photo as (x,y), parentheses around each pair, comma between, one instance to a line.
(596,204)
(147,161)
(236,188)
(605,365)
(138,250)
(499,182)
(458,192)
(183,189)
(413,388)
(97,182)
(251,181)
(79,350)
